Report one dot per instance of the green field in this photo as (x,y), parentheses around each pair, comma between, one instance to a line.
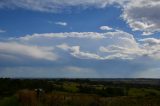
(65,92)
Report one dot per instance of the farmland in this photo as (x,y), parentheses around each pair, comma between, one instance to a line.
(79,92)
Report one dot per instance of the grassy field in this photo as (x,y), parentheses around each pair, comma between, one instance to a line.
(23,92)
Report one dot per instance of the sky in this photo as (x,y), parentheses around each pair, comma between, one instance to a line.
(79,38)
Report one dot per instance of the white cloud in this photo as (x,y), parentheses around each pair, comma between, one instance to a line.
(80,49)
(121,52)
(21,50)
(99,46)
(55,5)
(88,35)
(61,23)
(122,46)
(75,51)
(149,47)
(79,35)
(110,38)
(143,15)
(150,41)
(151,50)
(105,28)
(147,33)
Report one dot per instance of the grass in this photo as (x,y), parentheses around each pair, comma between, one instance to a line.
(9,101)
(143,92)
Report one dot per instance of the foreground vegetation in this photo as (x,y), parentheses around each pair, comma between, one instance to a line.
(78,92)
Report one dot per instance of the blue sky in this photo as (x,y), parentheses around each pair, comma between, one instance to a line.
(80,39)
(18,21)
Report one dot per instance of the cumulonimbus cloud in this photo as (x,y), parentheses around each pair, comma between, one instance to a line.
(77,49)
(99,46)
